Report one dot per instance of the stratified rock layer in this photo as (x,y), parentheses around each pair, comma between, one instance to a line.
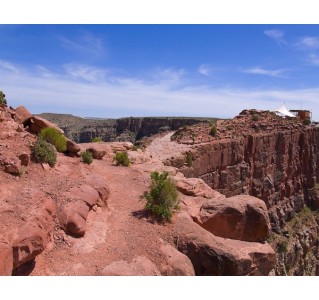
(260,154)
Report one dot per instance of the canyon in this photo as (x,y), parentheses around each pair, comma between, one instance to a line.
(247,192)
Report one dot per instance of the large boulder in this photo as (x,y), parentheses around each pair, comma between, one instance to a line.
(240,217)
(36,124)
(99,184)
(212,255)
(22,114)
(73,216)
(6,259)
(72,148)
(178,264)
(138,157)
(195,187)
(32,238)
(141,266)
(97,153)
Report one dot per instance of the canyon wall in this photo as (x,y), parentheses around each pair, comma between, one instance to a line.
(279,167)
(131,129)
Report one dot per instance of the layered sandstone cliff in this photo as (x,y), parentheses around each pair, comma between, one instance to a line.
(274,159)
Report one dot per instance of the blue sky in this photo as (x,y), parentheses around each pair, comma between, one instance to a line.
(159,70)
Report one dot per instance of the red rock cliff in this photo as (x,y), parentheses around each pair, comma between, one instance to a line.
(274,159)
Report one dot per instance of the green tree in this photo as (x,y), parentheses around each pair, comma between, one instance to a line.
(2,98)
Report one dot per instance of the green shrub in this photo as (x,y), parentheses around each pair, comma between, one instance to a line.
(43,152)
(121,158)
(255,118)
(189,159)
(213,130)
(282,246)
(162,198)
(87,157)
(2,98)
(306,122)
(97,139)
(54,137)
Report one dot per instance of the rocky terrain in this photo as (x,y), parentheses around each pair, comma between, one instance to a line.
(83,130)
(263,155)
(79,219)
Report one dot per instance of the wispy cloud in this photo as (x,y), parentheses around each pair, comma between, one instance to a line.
(276,35)
(88,73)
(113,96)
(265,72)
(309,47)
(204,70)
(9,66)
(313,59)
(168,76)
(85,43)
(308,42)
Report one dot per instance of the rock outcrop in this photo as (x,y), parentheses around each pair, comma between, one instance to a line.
(212,255)
(260,154)
(74,214)
(240,217)
(178,264)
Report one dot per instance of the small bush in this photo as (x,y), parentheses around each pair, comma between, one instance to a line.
(213,130)
(306,122)
(255,118)
(97,139)
(162,198)
(282,246)
(2,98)
(121,158)
(87,157)
(43,152)
(54,137)
(189,159)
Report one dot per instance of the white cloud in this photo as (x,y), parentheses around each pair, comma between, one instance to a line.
(113,96)
(265,72)
(85,43)
(276,35)
(87,73)
(313,59)
(8,66)
(204,70)
(168,76)
(310,43)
